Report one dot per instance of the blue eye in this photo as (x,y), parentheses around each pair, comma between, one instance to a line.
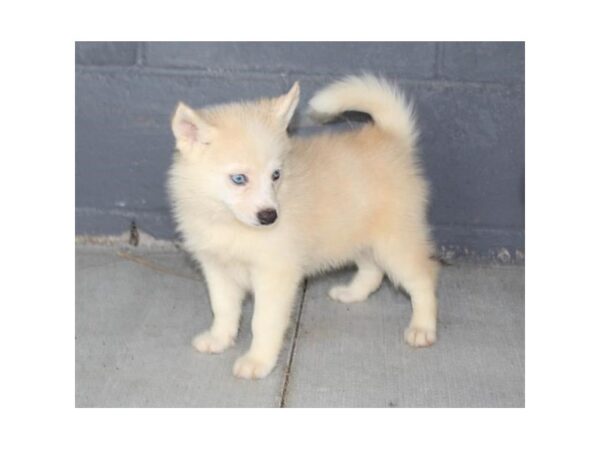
(239,179)
(276,175)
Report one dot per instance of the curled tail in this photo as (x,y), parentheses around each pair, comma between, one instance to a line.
(381,100)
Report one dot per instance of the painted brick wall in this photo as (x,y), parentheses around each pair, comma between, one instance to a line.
(469,100)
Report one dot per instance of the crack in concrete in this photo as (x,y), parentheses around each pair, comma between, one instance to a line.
(288,368)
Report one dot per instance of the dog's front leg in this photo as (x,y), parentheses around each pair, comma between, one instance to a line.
(274,294)
(226,297)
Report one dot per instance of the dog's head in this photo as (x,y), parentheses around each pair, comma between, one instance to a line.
(234,154)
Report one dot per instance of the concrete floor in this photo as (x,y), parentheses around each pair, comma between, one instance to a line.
(137,310)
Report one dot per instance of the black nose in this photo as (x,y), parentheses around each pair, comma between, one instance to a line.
(267,216)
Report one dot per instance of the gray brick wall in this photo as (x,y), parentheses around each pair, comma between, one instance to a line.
(469,99)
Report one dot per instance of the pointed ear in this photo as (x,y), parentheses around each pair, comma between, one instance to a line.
(285,106)
(189,128)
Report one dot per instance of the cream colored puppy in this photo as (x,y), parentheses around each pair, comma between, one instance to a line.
(260,210)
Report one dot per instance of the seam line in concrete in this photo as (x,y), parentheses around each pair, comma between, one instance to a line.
(288,368)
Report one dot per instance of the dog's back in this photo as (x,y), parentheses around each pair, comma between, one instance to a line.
(346,190)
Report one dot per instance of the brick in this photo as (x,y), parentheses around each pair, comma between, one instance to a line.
(106,53)
(406,59)
(472,142)
(94,222)
(482,61)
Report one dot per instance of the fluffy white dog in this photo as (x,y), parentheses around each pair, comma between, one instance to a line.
(260,210)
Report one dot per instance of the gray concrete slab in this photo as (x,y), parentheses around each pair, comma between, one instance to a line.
(134,324)
(135,320)
(354,355)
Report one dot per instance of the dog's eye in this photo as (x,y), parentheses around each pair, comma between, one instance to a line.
(276,175)
(239,179)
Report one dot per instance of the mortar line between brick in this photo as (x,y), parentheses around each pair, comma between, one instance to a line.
(140,54)
(288,368)
(230,73)
(437,61)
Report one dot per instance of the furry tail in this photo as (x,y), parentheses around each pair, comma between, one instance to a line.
(385,103)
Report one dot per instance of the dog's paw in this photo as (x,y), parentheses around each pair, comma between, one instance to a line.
(345,294)
(251,367)
(209,343)
(419,336)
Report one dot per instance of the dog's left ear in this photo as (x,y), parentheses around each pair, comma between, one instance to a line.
(285,106)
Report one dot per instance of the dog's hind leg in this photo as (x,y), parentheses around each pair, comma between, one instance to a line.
(366,281)
(409,264)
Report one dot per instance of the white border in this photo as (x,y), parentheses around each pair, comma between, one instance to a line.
(562,224)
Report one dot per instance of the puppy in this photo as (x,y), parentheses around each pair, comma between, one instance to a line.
(260,210)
